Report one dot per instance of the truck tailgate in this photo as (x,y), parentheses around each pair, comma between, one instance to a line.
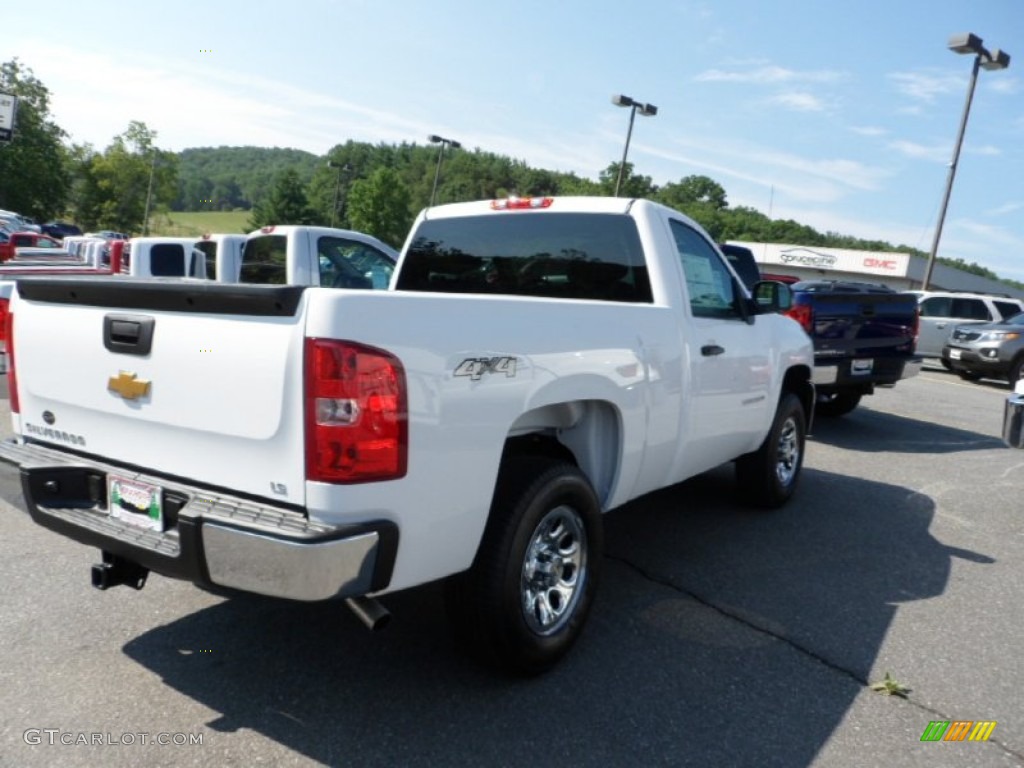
(875,325)
(134,371)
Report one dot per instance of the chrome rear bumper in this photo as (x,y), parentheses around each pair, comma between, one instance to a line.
(210,537)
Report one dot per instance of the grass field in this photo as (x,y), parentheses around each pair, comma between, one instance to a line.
(187,223)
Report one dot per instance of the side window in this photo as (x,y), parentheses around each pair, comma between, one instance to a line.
(937,306)
(348,263)
(1007,309)
(971,309)
(209,250)
(708,281)
(265,260)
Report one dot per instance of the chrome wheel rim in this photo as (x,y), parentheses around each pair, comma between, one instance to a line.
(787,452)
(554,570)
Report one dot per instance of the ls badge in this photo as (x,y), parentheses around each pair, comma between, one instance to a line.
(128,385)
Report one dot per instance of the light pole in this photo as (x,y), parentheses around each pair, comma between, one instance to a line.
(995,59)
(342,169)
(434,139)
(149,193)
(647,110)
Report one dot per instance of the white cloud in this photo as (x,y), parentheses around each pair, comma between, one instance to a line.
(801,102)
(801,178)
(868,130)
(1006,208)
(1003,84)
(920,151)
(988,150)
(926,87)
(190,106)
(767,74)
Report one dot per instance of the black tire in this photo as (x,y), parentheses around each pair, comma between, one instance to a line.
(834,404)
(768,477)
(969,375)
(523,603)
(945,364)
(1016,372)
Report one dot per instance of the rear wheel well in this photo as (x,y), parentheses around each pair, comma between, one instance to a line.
(537,444)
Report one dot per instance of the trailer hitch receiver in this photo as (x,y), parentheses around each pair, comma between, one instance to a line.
(115,570)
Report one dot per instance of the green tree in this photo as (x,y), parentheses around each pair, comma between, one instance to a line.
(34,177)
(286,204)
(693,190)
(633,184)
(379,206)
(114,189)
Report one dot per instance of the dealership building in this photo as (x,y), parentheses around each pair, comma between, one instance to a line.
(900,271)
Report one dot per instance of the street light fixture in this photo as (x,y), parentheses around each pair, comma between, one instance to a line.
(983,59)
(343,168)
(435,139)
(647,110)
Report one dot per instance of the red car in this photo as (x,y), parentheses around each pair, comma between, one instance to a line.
(25,240)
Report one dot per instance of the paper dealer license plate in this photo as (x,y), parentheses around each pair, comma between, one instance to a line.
(954,354)
(135,503)
(860,367)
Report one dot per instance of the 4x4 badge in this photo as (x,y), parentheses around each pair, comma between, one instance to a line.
(128,385)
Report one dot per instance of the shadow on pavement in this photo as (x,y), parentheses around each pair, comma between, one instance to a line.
(721,636)
(867,430)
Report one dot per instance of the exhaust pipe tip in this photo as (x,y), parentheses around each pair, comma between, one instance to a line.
(370,611)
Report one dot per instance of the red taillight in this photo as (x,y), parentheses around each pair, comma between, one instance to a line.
(5,305)
(520,203)
(12,379)
(356,413)
(117,249)
(803,314)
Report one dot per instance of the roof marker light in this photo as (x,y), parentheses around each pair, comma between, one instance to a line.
(521,203)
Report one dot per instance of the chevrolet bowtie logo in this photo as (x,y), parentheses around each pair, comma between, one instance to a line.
(128,386)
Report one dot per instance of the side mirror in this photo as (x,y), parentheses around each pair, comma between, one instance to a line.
(772,296)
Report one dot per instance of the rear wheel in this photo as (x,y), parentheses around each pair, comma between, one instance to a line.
(768,477)
(1016,371)
(524,601)
(834,404)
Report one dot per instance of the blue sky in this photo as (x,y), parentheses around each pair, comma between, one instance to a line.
(841,115)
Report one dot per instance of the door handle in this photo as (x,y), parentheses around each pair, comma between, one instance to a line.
(710,350)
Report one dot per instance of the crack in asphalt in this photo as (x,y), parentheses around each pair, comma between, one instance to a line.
(802,649)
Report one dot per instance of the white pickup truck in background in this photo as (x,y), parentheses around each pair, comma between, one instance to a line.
(535,363)
(296,255)
(321,256)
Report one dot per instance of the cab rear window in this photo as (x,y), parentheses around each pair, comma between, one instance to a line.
(564,256)
(265,260)
(167,260)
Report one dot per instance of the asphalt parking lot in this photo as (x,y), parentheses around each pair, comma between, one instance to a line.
(721,636)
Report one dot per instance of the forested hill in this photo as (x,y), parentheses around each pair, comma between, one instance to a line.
(225,178)
(379,188)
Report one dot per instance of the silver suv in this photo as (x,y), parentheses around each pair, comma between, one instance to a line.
(942,311)
(991,350)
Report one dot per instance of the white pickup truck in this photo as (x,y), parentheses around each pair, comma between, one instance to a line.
(535,363)
(299,255)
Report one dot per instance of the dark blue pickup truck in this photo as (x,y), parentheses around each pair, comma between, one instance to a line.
(864,336)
